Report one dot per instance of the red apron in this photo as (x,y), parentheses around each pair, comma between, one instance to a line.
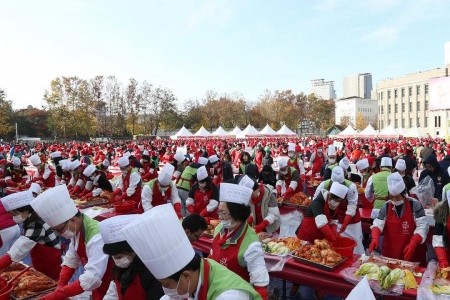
(136,197)
(158,198)
(317,164)
(257,203)
(366,203)
(201,200)
(135,291)
(99,292)
(46,259)
(398,232)
(287,181)
(228,256)
(308,230)
(294,164)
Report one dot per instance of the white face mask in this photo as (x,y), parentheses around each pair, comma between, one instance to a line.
(227,224)
(173,293)
(291,155)
(68,234)
(123,262)
(18,219)
(285,172)
(333,204)
(332,161)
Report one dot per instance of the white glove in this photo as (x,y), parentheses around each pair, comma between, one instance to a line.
(97,192)
(21,248)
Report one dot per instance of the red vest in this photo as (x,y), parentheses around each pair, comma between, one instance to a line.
(158,198)
(294,164)
(136,197)
(50,181)
(317,164)
(46,259)
(134,291)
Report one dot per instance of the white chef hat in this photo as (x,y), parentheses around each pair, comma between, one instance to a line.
(282,162)
(386,162)
(55,154)
(235,193)
(213,158)
(400,164)
(105,163)
(54,206)
(179,157)
(16,161)
(165,176)
(362,164)
(111,229)
(159,240)
(17,200)
(74,164)
(202,173)
(339,190)
(124,161)
(65,164)
(331,150)
(35,160)
(89,170)
(127,154)
(396,185)
(337,175)
(35,188)
(145,152)
(291,147)
(344,163)
(247,182)
(202,160)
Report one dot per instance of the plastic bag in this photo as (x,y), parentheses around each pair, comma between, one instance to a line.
(425,192)
(424,291)
(275,263)
(289,223)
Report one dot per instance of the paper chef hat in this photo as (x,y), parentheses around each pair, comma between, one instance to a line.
(74,164)
(213,158)
(395,184)
(35,160)
(202,173)
(89,170)
(282,162)
(331,150)
(344,163)
(337,175)
(105,163)
(291,147)
(362,164)
(54,206)
(235,193)
(339,190)
(247,182)
(386,162)
(17,200)
(65,165)
(111,229)
(35,188)
(55,154)
(165,176)
(123,161)
(179,157)
(400,165)
(16,161)
(202,160)
(159,240)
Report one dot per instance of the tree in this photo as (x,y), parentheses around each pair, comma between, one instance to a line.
(360,122)
(345,121)
(6,112)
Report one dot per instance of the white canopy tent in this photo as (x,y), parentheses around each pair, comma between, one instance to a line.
(249,131)
(220,132)
(348,132)
(414,132)
(235,131)
(182,134)
(202,132)
(285,131)
(267,130)
(388,132)
(369,131)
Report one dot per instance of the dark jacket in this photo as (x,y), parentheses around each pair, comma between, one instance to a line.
(439,176)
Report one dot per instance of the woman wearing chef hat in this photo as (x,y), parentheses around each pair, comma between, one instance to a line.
(38,238)
(402,222)
(132,280)
(161,191)
(130,185)
(203,195)
(235,244)
(288,180)
(45,174)
(182,273)
(56,208)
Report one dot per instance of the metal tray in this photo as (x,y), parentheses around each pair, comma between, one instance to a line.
(294,205)
(96,202)
(317,265)
(36,296)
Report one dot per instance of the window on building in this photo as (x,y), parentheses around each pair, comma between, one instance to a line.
(418,105)
(396,123)
(410,91)
(426,122)
(437,121)
(410,123)
(403,107)
(426,104)
(396,108)
(389,108)
(395,93)
(403,92)
(382,109)
(417,90)
(389,95)
(418,123)
(382,124)
(426,89)
(403,123)
(381,95)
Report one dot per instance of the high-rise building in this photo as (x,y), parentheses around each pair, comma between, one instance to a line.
(323,89)
(359,85)
(354,108)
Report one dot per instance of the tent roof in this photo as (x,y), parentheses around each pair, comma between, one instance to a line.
(267,130)
(368,131)
(248,131)
(348,131)
(182,133)
(235,131)
(202,132)
(284,130)
(414,132)
(388,131)
(220,132)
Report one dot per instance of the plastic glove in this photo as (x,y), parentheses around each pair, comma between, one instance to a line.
(250,220)
(376,233)
(76,190)
(177,207)
(87,196)
(117,192)
(345,223)
(441,255)
(190,209)
(261,226)
(328,233)
(288,193)
(262,291)
(64,292)
(409,250)
(5,261)
(278,188)
(204,213)
(65,275)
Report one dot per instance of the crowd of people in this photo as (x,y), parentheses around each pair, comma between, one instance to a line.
(233,184)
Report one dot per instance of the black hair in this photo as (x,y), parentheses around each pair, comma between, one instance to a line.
(194,222)
(252,171)
(193,265)
(116,248)
(239,212)
(25,208)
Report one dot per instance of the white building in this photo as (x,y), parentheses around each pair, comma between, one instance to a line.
(323,89)
(359,85)
(353,106)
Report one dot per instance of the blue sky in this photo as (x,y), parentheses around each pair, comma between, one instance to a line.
(192,46)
